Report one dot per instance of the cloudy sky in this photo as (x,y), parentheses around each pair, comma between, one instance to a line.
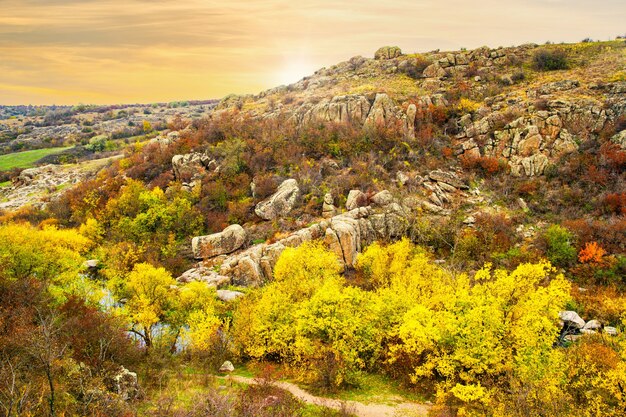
(128,51)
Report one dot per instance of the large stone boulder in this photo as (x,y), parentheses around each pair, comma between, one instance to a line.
(125,384)
(355,199)
(191,165)
(227,241)
(388,52)
(434,71)
(383,198)
(571,319)
(281,202)
(227,367)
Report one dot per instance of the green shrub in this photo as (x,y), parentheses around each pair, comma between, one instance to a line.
(559,248)
(550,60)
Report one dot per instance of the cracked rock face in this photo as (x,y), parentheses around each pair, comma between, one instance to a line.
(227,241)
(281,202)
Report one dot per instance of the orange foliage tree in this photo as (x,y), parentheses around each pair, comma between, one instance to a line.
(591,253)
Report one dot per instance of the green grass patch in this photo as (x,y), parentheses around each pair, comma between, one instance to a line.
(375,388)
(5,184)
(27,159)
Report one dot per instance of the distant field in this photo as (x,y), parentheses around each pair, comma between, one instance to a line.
(26,159)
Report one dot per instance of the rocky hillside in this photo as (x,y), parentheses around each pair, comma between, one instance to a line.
(454,222)
(397,123)
(505,105)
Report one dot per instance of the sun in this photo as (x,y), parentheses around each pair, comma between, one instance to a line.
(294,69)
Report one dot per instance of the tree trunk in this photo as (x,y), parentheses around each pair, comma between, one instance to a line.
(51,384)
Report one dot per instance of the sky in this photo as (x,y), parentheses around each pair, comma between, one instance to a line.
(144,51)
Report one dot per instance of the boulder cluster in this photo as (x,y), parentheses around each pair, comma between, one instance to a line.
(345,234)
(367,218)
(573,327)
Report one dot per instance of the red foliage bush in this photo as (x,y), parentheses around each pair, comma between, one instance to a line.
(591,253)
(487,165)
(615,203)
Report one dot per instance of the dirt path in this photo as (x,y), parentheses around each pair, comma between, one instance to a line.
(360,409)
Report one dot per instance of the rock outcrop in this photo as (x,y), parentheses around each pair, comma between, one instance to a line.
(388,52)
(203,274)
(338,109)
(281,202)
(573,327)
(191,166)
(35,184)
(345,234)
(227,241)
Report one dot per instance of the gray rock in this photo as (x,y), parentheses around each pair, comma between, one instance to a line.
(593,325)
(572,319)
(448,178)
(434,71)
(92,263)
(620,139)
(572,337)
(611,331)
(383,112)
(328,207)
(382,198)
(227,366)
(281,202)
(126,385)
(355,199)
(402,178)
(227,241)
(228,295)
(522,205)
(192,165)
(204,274)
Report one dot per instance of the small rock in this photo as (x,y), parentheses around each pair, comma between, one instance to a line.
(91,263)
(572,337)
(448,178)
(611,331)
(228,295)
(592,325)
(227,366)
(328,207)
(402,178)
(203,274)
(522,205)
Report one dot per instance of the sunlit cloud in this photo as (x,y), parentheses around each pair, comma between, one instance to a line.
(68,51)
